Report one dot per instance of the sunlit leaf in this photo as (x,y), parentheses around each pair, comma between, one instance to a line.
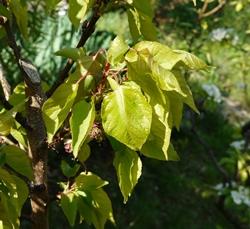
(69,207)
(89,181)
(117,50)
(126,115)
(72,53)
(81,122)
(128,168)
(57,107)
(18,160)
(96,208)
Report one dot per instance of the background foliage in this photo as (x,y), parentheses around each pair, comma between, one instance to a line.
(209,186)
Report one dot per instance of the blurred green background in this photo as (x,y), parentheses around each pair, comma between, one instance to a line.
(210,186)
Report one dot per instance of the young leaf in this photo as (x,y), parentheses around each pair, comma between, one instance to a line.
(117,50)
(18,160)
(69,207)
(128,168)
(81,121)
(57,107)
(126,115)
(72,53)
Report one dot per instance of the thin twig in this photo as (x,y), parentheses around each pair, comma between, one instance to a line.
(88,29)
(203,13)
(19,117)
(4,83)
(13,171)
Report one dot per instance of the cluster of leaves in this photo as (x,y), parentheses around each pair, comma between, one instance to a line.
(131,95)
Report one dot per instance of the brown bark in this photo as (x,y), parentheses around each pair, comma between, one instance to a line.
(36,133)
(38,152)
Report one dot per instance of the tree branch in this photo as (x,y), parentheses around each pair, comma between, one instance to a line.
(4,83)
(203,13)
(88,29)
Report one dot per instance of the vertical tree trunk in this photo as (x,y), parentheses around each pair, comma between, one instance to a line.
(38,147)
(38,153)
(36,132)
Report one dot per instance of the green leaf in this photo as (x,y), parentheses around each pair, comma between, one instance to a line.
(2,158)
(117,50)
(168,58)
(18,160)
(89,181)
(144,6)
(84,153)
(134,24)
(19,9)
(6,122)
(13,194)
(51,4)
(69,171)
(5,12)
(72,53)
(148,29)
(69,207)
(57,107)
(158,141)
(22,191)
(176,108)
(139,70)
(18,95)
(128,168)
(78,9)
(96,208)
(166,80)
(140,16)
(20,135)
(126,115)
(81,122)
(190,60)
(2,35)
(188,99)
(7,118)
